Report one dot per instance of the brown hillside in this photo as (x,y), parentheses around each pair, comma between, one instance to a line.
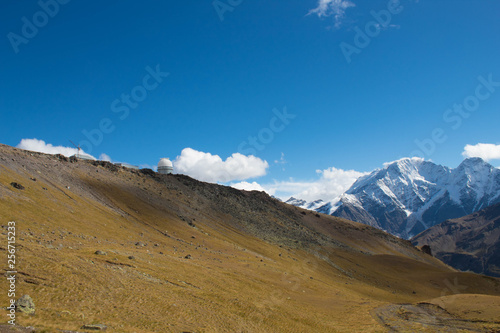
(470,243)
(186,256)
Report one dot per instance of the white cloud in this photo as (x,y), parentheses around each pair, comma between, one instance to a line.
(47,148)
(282,159)
(211,168)
(104,157)
(486,151)
(336,8)
(254,186)
(331,184)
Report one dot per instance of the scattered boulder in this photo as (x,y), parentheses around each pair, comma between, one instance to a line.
(62,158)
(17,185)
(148,172)
(140,244)
(131,257)
(107,165)
(15,328)
(426,249)
(95,327)
(25,304)
(187,257)
(100,253)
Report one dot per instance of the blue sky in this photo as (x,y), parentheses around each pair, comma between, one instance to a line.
(233,79)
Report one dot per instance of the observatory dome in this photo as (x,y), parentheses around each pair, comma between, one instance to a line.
(165,166)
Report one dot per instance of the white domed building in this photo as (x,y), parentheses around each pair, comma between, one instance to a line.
(165,166)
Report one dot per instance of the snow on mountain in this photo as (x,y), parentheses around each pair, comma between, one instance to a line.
(304,204)
(410,195)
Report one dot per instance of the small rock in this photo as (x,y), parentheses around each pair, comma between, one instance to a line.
(140,244)
(100,253)
(25,304)
(17,185)
(95,327)
(187,257)
(16,328)
(426,249)
(131,257)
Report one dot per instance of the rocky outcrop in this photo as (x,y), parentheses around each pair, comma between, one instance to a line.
(470,243)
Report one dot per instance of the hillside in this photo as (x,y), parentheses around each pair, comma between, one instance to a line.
(178,255)
(468,243)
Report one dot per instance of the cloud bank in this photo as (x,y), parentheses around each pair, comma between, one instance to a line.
(253,186)
(486,151)
(331,184)
(47,148)
(211,168)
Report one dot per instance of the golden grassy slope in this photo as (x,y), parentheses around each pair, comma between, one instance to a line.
(310,274)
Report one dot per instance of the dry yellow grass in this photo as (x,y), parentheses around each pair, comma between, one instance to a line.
(234,281)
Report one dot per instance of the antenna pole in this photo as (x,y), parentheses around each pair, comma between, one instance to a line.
(77,147)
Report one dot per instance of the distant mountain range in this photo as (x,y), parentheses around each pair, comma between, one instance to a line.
(411,195)
(468,243)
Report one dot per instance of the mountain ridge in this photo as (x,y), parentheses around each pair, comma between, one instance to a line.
(410,195)
(470,243)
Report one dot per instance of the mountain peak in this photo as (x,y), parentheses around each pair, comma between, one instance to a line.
(409,195)
(474,161)
(405,161)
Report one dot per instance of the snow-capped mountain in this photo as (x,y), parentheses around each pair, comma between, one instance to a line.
(410,195)
(314,205)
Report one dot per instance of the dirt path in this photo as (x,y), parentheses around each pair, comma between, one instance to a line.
(422,317)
